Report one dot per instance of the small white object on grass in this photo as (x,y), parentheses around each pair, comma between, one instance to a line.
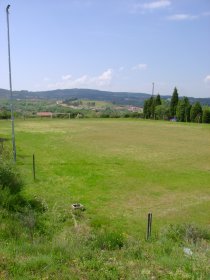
(79,206)
(188,251)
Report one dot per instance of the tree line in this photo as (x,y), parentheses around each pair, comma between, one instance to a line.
(176,109)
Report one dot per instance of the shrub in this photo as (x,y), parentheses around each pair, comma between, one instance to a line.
(10,178)
(185,233)
(11,185)
(11,202)
(38,205)
(5,114)
(109,240)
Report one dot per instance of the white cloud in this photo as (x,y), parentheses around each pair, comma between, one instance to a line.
(105,77)
(81,80)
(66,77)
(180,17)
(99,81)
(140,66)
(156,4)
(160,4)
(207,79)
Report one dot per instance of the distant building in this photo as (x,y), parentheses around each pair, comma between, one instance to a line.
(44,114)
(135,109)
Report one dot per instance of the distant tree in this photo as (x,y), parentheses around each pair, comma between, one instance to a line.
(152,102)
(162,112)
(187,112)
(150,106)
(174,102)
(183,110)
(146,109)
(206,115)
(196,112)
(158,100)
(4,114)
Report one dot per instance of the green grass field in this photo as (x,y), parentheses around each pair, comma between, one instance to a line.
(119,170)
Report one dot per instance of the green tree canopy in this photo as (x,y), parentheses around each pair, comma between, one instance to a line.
(162,112)
(183,110)
(157,100)
(174,102)
(196,112)
(146,109)
(206,115)
(150,106)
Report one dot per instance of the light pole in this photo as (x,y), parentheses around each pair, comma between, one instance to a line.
(153,89)
(10,83)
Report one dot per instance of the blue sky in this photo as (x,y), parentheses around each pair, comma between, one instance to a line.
(117,45)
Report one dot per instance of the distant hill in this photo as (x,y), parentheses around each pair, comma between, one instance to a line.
(122,98)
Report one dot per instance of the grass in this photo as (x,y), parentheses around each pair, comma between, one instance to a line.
(120,170)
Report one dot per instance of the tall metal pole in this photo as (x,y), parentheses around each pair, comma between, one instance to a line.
(10,83)
(153,87)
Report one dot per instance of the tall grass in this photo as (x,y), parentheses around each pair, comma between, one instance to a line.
(119,170)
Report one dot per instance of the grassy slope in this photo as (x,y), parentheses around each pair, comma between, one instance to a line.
(119,169)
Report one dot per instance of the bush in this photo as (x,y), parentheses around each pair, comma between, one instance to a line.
(185,233)
(11,185)
(11,202)
(109,240)
(10,178)
(38,205)
(5,114)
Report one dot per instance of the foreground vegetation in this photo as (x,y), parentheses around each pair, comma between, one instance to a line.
(119,170)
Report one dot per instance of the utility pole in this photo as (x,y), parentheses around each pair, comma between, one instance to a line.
(10,83)
(153,87)
(153,105)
